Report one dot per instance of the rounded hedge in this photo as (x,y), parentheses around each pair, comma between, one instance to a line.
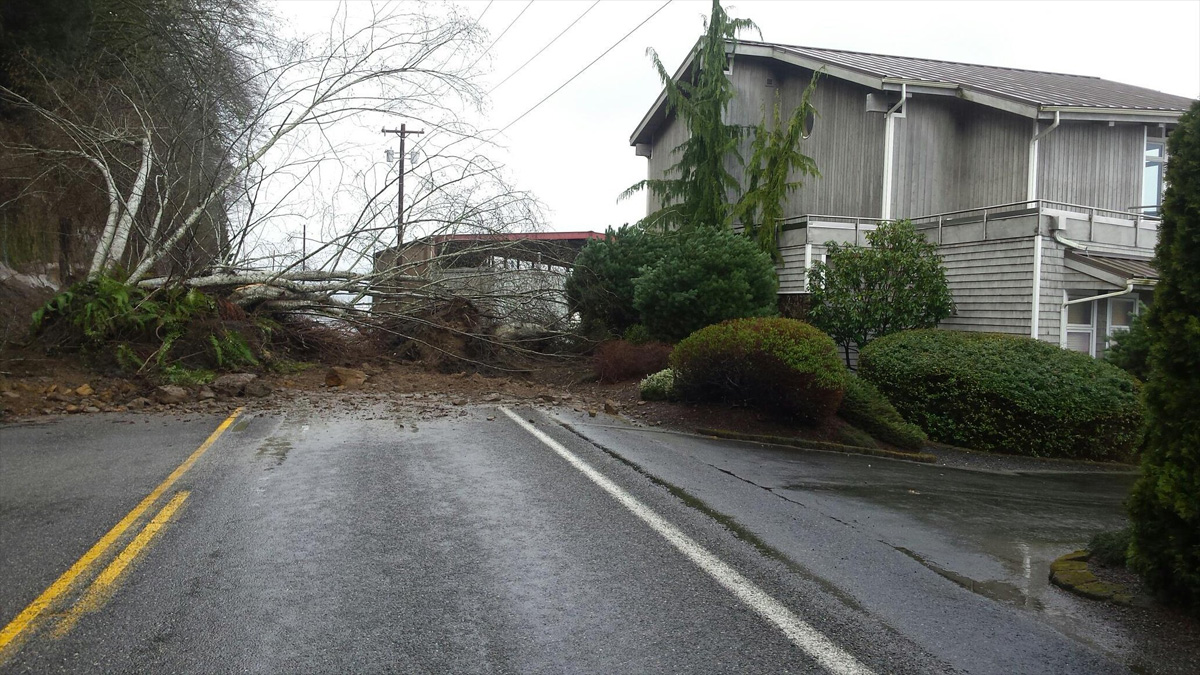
(1005,393)
(782,365)
(868,409)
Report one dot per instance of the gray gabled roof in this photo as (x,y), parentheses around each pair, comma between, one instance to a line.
(1030,93)
(1038,88)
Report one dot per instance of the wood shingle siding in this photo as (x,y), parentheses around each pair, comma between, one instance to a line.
(992,283)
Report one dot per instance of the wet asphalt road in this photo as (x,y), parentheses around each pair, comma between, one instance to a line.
(316,543)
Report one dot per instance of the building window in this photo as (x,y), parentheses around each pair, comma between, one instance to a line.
(1153,171)
(1081,332)
(1120,314)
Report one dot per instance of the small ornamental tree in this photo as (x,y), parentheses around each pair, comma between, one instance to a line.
(1164,508)
(775,160)
(600,286)
(706,276)
(861,293)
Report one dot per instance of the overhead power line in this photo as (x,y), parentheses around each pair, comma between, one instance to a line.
(582,71)
(502,34)
(548,44)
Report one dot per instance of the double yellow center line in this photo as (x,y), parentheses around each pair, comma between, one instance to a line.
(24,621)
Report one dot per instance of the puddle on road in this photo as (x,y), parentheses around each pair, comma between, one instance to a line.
(275,448)
(241,425)
(1009,593)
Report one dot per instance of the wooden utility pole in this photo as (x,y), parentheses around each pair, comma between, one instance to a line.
(402,132)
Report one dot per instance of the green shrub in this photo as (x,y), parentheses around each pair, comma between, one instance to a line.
(1110,548)
(1164,508)
(853,436)
(637,334)
(706,276)
(600,286)
(1130,350)
(782,365)
(1005,393)
(866,408)
(658,387)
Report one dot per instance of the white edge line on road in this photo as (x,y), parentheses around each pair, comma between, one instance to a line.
(820,648)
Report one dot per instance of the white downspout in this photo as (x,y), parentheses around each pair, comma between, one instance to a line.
(1031,185)
(1037,282)
(889,139)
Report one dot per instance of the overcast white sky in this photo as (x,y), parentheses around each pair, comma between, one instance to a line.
(573,152)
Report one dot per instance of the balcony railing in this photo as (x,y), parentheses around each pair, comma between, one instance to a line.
(1088,223)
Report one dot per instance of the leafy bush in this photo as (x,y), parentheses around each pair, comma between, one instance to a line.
(1110,548)
(658,387)
(176,335)
(866,408)
(782,365)
(1164,508)
(620,361)
(706,276)
(1130,350)
(1005,393)
(896,283)
(600,286)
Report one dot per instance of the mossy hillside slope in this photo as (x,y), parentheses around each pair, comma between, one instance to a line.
(1005,393)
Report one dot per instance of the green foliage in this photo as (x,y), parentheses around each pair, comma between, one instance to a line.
(1164,508)
(637,334)
(173,373)
(600,286)
(659,386)
(230,351)
(782,365)
(1130,350)
(853,436)
(704,277)
(175,333)
(866,408)
(1110,548)
(1005,393)
(695,194)
(94,313)
(862,293)
(776,158)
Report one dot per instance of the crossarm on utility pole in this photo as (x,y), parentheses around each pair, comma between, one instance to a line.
(402,132)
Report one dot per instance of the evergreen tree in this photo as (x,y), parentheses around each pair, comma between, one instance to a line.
(1165,505)
(695,192)
(776,158)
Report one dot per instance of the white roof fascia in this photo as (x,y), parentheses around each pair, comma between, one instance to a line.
(1111,114)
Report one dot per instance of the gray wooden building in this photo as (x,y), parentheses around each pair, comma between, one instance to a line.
(1040,189)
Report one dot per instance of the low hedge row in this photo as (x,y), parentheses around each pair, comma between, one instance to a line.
(1004,393)
(782,365)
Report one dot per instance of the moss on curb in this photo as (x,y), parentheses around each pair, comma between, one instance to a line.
(820,445)
(1070,572)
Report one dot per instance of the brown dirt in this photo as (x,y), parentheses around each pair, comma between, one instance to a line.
(34,384)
